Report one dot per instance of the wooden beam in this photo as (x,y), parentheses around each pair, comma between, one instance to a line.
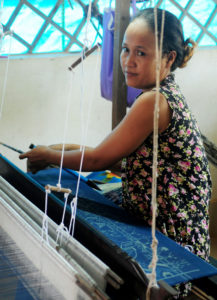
(119,89)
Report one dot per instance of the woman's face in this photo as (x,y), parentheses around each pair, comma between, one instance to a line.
(137,58)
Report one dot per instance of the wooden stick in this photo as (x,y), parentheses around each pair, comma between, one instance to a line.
(198,292)
(57,189)
(84,55)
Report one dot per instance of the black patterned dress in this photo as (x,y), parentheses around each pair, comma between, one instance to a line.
(183,182)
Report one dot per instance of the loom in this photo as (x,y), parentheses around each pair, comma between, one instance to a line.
(109,255)
(107,258)
(73,272)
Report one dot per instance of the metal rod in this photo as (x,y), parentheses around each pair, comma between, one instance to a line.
(12,148)
(84,55)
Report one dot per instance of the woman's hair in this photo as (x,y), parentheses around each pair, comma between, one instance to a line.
(173,38)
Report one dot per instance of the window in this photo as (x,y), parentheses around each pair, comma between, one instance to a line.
(58,26)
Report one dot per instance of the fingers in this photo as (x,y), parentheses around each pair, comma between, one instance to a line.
(36,154)
(36,159)
(24,155)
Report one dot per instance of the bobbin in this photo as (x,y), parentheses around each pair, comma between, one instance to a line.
(57,189)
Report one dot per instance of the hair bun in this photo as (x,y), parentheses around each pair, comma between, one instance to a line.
(189,46)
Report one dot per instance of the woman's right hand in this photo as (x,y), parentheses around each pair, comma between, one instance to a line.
(36,158)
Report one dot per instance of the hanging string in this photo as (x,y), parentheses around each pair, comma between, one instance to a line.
(158,49)
(61,229)
(5,80)
(73,203)
(86,42)
(73,206)
(82,149)
(44,231)
(2,35)
(65,129)
(75,199)
(90,102)
(82,79)
(111,25)
(1,9)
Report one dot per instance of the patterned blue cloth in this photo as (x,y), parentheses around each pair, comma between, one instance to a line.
(175,263)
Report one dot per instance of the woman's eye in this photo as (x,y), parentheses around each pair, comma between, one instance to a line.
(125,49)
(140,53)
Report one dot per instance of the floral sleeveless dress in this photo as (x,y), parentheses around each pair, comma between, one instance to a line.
(183,183)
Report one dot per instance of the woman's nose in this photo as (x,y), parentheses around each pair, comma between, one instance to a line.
(130,61)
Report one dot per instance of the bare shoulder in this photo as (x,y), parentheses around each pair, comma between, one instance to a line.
(150,97)
(146,103)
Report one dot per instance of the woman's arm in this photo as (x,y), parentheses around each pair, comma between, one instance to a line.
(124,139)
(67,147)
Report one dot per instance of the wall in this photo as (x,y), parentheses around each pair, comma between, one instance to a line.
(36,103)
(38,89)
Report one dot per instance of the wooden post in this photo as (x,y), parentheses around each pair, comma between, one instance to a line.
(119,89)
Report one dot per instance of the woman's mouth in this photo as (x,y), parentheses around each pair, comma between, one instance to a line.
(130,74)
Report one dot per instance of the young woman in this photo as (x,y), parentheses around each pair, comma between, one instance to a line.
(183,183)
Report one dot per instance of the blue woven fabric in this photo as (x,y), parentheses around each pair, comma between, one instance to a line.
(69,180)
(175,264)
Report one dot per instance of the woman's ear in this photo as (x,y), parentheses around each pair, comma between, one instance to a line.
(171,57)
